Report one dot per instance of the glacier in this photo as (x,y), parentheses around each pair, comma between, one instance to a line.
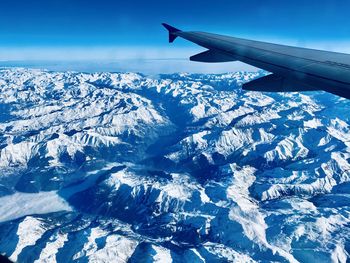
(125,167)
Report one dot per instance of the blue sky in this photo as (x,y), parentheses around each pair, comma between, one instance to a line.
(112,30)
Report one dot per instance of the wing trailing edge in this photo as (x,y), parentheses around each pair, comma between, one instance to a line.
(212,56)
(275,83)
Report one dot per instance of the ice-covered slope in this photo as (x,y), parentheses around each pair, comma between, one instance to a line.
(116,167)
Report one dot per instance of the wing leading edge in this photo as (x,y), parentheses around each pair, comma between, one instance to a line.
(293,68)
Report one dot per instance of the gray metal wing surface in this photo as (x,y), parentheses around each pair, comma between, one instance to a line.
(293,68)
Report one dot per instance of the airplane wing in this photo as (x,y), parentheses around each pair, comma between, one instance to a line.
(293,68)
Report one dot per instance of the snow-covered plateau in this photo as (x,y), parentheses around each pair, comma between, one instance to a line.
(122,167)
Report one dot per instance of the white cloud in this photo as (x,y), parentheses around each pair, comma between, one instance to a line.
(92,53)
(148,60)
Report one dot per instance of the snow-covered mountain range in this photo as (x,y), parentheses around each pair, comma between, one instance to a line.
(121,167)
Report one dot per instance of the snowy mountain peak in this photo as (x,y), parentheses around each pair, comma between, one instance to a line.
(123,167)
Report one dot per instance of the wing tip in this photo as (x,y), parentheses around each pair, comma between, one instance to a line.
(172,32)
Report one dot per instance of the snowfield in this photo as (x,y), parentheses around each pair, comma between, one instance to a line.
(121,167)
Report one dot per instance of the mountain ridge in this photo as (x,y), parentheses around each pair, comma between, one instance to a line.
(179,167)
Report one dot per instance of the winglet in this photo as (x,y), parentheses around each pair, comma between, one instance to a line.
(172,32)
